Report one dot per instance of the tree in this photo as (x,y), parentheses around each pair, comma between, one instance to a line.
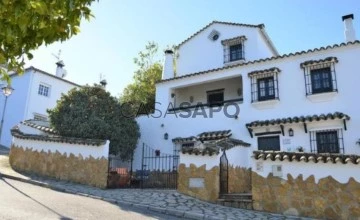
(91,112)
(142,91)
(27,24)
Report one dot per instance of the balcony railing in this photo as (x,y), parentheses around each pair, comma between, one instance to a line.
(201,105)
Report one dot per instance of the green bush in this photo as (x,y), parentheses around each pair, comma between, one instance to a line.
(91,112)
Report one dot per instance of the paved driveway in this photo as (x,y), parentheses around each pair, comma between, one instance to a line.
(25,201)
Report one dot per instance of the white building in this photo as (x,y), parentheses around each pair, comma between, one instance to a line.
(232,87)
(34,92)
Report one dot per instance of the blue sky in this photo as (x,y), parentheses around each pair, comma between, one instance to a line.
(121,28)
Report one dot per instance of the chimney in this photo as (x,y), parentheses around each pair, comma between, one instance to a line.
(103,83)
(59,69)
(168,69)
(349,29)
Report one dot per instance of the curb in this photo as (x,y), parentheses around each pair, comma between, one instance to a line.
(173,212)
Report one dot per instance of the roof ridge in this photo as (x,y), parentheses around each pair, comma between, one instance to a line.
(266,59)
(218,22)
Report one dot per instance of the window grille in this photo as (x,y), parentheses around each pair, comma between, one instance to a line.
(264,86)
(327,141)
(320,77)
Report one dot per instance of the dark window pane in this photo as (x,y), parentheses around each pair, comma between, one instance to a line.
(266,89)
(269,143)
(236,52)
(321,80)
(215,97)
(327,142)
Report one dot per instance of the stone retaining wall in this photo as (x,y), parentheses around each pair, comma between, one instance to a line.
(326,199)
(89,171)
(210,191)
(239,179)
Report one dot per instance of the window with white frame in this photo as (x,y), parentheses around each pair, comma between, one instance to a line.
(44,90)
(320,76)
(264,84)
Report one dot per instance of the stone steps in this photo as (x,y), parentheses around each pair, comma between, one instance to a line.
(236,200)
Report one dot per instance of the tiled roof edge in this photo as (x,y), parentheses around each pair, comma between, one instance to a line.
(306,157)
(297,119)
(263,60)
(15,131)
(270,70)
(51,75)
(218,22)
(39,127)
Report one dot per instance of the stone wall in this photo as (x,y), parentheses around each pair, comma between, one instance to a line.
(89,171)
(326,199)
(239,179)
(210,191)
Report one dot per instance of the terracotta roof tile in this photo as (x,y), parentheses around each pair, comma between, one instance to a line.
(313,62)
(233,40)
(306,157)
(18,134)
(40,125)
(263,60)
(270,70)
(298,119)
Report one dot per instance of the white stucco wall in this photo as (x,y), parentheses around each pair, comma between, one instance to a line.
(340,172)
(16,105)
(38,103)
(25,100)
(77,149)
(293,102)
(200,53)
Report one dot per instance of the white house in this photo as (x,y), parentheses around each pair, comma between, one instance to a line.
(34,92)
(231,83)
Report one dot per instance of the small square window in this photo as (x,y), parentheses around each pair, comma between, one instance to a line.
(215,97)
(44,90)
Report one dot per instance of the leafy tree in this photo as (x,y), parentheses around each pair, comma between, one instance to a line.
(27,24)
(91,112)
(142,91)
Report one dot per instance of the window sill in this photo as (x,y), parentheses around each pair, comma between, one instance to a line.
(322,97)
(230,63)
(265,104)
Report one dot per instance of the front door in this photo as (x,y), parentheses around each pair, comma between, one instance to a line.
(224,174)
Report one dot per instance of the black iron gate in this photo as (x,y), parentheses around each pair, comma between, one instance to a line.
(224,174)
(159,170)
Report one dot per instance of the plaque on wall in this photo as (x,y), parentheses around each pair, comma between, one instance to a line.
(196,183)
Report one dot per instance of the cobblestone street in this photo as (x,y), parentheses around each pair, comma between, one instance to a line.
(163,201)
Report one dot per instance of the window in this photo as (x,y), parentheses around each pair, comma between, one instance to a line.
(320,76)
(234,49)
(269,143)
(236,52)
(266,88)
(321,80)
(215,97)
(327,141)
(264,84)
(44,90)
